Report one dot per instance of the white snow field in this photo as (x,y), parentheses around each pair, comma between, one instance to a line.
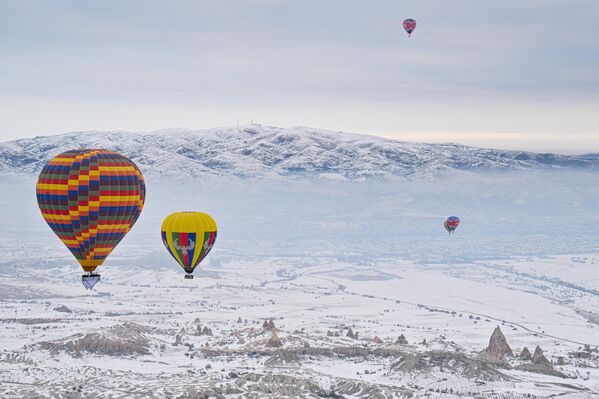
(318,254)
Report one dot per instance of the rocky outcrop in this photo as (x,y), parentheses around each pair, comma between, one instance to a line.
(280,386)
(401,340)
(274,341)
(358,389)
(448,361)
(377,340)
(539,358)
(350,333)
(62,308)
(498,348)
(540,365)
(203,331)
(120,340)
(178,340)
(525,354)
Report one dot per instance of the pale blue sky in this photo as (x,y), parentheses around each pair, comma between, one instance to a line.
(509,74)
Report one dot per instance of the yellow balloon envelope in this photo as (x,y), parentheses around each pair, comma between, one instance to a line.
(188,237)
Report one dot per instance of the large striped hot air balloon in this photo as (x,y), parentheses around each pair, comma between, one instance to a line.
(90,198)
(188,237)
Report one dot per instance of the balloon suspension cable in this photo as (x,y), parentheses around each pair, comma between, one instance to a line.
(89,280)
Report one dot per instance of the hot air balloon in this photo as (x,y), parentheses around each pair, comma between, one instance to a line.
(409,25)
(451,223)
(90,198)
(188,237)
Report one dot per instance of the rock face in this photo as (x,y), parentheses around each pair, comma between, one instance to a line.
(120,340)
(207,331)
(540,365)
(539,358)
(498,347)
(475,368)
(274,341)
(401,340)
(269,325)
(525,354)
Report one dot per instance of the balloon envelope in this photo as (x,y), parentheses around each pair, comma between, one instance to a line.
(90,198)
(451,223)
(409,25)
(188,237)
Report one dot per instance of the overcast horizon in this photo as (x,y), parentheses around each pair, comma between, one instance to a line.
(507,76)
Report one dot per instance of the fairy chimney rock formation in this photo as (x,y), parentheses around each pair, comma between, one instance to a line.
(539,358)
(498,347)
(525,354)
(377,340)
(350,333)
(178,340)
(401,340)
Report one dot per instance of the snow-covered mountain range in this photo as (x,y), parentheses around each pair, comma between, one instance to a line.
(265,151)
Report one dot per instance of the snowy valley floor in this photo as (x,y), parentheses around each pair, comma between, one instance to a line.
(59,341)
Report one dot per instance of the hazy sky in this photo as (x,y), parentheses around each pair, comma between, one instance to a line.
(508,74)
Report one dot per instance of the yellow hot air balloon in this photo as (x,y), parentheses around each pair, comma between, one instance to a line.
(188,237)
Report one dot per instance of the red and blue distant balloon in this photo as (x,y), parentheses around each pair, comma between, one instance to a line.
(451,223)
(409,25)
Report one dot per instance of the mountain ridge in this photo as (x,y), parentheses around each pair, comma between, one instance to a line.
(259,151)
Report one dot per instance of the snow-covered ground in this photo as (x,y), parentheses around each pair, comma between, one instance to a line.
(436,307)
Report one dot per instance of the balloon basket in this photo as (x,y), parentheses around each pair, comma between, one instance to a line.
(89,280)
(189,276)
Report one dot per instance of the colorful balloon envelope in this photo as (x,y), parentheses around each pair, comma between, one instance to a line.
(188,237)
(90,198)
(451,223)
(409,25)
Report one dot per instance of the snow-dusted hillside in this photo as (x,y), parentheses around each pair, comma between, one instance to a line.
(262,151)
